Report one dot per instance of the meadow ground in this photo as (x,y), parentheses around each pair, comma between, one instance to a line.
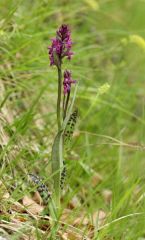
(105,182)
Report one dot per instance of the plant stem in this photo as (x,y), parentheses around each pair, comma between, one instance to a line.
(63,104)
(59,98)
(66,105)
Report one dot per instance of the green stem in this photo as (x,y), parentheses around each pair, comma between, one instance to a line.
(59,98)
(63,104)
(66,105)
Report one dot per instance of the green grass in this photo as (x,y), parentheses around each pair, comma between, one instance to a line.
(110,131)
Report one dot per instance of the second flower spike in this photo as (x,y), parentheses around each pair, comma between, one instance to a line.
(67,81)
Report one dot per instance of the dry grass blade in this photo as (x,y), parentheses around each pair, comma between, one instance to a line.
(31,206)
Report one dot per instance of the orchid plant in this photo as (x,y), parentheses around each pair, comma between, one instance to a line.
(61,48)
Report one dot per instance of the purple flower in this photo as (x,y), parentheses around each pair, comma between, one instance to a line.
(67,82)
(61,46)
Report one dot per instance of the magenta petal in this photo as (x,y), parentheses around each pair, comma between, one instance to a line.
(61,45)
(67,81)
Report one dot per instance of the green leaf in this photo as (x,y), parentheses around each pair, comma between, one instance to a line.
(41,188)
(57,165)
(70,128)
(70,109)
(57,155)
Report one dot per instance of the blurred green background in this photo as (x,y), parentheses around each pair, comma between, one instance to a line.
(109,141)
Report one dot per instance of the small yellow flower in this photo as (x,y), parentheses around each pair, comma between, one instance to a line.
(138,40)
(93,4)
(103,89)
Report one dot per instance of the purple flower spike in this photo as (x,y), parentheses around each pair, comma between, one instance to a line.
(67,82)
(61,46)
(64,33)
